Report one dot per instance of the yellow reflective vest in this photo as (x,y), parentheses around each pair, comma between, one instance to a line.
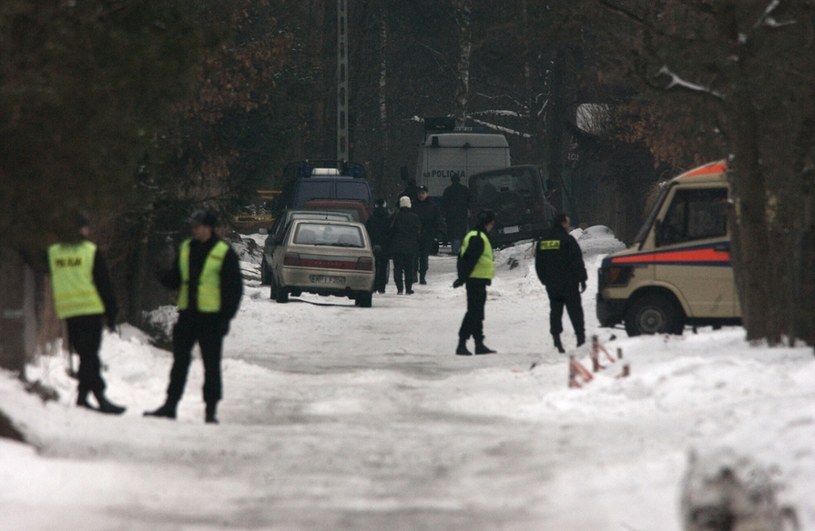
(484,267)
(209,283)
(71,267)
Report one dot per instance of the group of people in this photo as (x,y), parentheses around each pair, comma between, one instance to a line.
(206,273)
(408,236)
(559,266)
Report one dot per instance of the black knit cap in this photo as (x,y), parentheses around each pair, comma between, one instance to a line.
(486,216)
(203,216)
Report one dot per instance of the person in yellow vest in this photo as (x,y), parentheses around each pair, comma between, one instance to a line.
(207,276)
(83,296)
(475,270)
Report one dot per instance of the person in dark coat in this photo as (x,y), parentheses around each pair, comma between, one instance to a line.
(430,217)
(404,245)
(475,270)
(378,226)
(559,265)
(455,203)
(411,191)
(84,297)
(207,274)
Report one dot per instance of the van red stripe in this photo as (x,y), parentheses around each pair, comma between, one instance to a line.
(688,256)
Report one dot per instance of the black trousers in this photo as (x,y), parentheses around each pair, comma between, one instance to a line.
(473,322)
(403,270)
(85,338)
(205,329)
(425,246)
(571,300)
(381,276)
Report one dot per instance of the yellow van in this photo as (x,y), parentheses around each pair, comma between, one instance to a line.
(678,271)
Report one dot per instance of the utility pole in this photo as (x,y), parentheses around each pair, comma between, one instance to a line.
(342,80)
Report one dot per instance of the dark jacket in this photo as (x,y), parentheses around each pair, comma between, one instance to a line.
(231,279)
(430,217)
(378,225)
(455,202)
(466,261)
(559,261)
(404,232)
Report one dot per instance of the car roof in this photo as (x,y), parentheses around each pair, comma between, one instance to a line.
(310,213)
(328,222)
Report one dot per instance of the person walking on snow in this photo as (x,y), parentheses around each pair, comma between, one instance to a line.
(404,244)
(377,226)
(455,202)
(83,296)
(430,217)
(207,274)
(559,265)
(475,270)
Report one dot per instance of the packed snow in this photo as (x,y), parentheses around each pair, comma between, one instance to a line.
(338,417)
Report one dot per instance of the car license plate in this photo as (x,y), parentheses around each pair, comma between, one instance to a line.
(512,229)
(326,279)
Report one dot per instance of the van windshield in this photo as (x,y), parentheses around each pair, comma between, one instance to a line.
(313,189)
(639,239)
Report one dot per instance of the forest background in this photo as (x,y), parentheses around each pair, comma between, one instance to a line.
(137,111)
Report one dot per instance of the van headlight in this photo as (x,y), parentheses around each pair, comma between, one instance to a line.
(615,275)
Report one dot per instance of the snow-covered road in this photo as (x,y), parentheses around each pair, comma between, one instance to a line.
(337,417)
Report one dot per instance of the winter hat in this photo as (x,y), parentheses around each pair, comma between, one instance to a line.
(423,188)
(404,202)
(486,216)
(203,217)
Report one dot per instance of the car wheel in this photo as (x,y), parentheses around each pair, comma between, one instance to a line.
(265,275)
(653,314)
(364,299)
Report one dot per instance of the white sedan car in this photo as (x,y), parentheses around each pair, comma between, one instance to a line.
(326,258)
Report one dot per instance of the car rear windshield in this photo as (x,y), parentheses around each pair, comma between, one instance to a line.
(353,190)
(519,181)
(331,235)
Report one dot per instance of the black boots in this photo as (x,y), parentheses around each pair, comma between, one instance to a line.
(461,349)
(481,348)
(581,338)
(558,344)
(105,405)
(209,416)
(166,411)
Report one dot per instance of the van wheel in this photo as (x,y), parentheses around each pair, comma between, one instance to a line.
(653,314)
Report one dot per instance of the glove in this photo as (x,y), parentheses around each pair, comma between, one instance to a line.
(458,283)
(223,326)
(582,286)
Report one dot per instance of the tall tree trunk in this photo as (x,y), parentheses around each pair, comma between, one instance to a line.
(463,10)
(384,126)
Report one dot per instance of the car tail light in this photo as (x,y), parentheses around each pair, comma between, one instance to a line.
(365,263)
(292,259)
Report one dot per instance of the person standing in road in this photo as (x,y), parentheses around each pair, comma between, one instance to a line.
(378,225)
(475,270)
(83,296)
(404,245)
(559,265)
(430,217)
(207,274)
(455,202)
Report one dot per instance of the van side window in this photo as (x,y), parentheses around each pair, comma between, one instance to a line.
(695,215)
